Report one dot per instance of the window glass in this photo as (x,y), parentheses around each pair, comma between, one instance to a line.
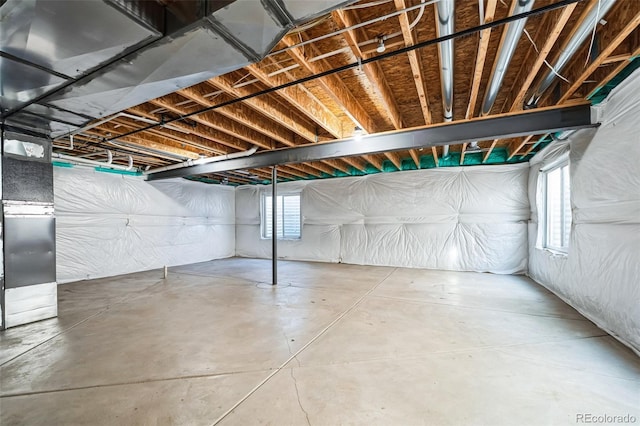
(288,216)
(557,215)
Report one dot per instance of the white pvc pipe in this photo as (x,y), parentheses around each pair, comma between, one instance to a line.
(78,160)
(205,160)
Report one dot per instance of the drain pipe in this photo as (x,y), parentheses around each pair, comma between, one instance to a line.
(510,37)
(586,27)
(85,161)
(445,12)
(205,160)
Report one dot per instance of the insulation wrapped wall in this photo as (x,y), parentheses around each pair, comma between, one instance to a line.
(109,224)
(599,275)
(465,219)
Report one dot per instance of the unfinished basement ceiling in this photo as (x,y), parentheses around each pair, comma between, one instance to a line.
(397,92)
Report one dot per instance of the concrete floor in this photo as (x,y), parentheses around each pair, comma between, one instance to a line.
(333,344)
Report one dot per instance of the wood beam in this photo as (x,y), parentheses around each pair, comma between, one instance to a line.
(417,72)
(322,166)
(615,71)
(186,139)
(263,106)
(617,58)
(240,113)
(157,138)
(220,123)
(245,116)
(208,132)
(550,42)
(338,166)
(374,161)
(463,152)
(415,157)
(141,141)
(604,54)
(498,126)
(355,162)
(335,87)
(533,145)
(481,56)
(517,146)
(395,159)
(488,153)
(205,131)
(376,77)
(303,100)
(414,62)
(373,70)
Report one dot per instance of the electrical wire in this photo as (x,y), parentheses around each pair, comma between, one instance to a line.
(415,21)
(593,35)
(365,5)
(553,70)
(353,27)
(401,51)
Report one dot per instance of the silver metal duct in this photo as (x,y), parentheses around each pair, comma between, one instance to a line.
(584,30)
(445,15)
(65,63)
(445,12)
(510,37)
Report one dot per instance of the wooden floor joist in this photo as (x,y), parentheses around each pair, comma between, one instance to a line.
(393,94)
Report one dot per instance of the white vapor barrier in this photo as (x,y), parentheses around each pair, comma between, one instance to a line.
(109,224)
(463,218)
(30,303)
(599,275)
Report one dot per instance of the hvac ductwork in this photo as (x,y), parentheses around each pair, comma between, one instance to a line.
(510,38)
(445,14)
(580,35)
(66,63)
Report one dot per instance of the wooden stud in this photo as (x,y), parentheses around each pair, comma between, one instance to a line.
(551,39)
(514,148)
(434,153)
(303,100)
(604,54)
(463,152)
(376,77)
(490,150)
(615,72)
(335,87)
(483,46)
(263,106)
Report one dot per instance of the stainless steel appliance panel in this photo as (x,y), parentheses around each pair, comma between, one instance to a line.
(29,250)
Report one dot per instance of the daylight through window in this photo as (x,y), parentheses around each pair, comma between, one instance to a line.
(557,208)
(288,216)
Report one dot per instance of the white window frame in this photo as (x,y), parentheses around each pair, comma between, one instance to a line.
(544,216)
(263,213)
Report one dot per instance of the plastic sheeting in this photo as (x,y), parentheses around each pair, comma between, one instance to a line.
(109,224)
(599,276)
(464,219)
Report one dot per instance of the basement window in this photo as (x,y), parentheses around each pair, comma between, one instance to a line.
(288,216)
(557,207)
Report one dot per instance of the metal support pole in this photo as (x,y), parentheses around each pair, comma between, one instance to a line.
(274,226)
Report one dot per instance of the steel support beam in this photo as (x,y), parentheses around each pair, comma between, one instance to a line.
(508,125)
(274,226)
